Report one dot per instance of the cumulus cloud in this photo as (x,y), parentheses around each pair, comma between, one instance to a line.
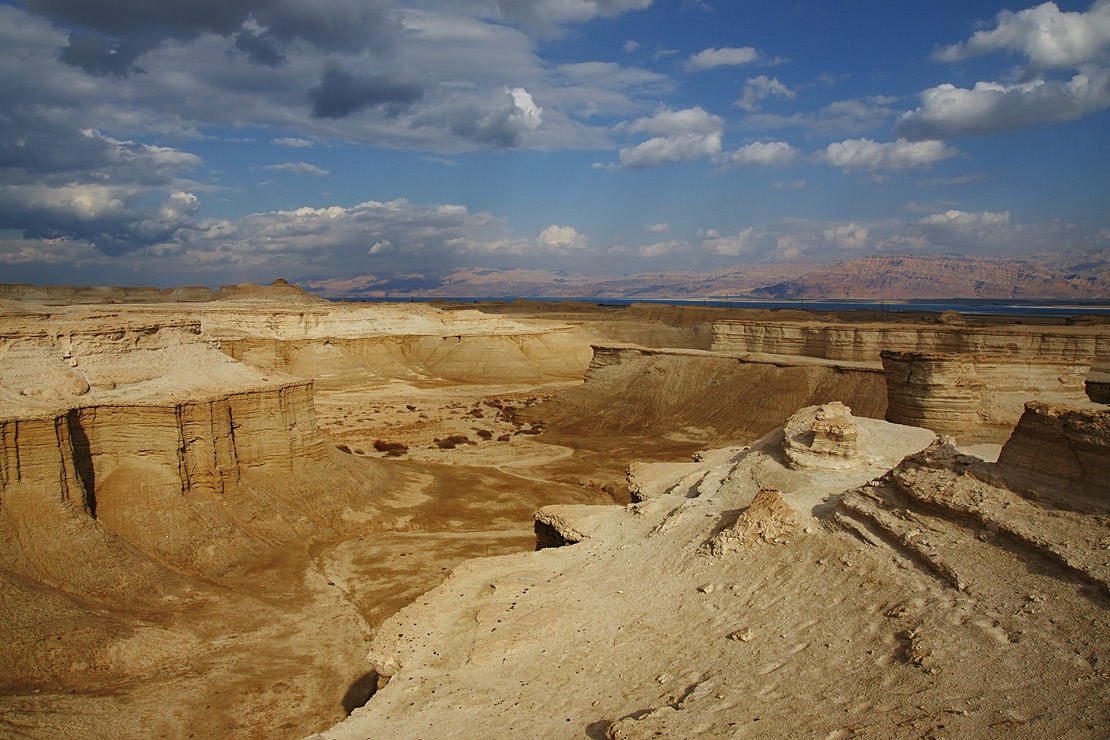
(758,89)
(1045,35)
(1049,39)
(749,241)
(300,168)
(728,56)
(763,154)
(847,236)
(865,154)
(658,228)
(502,122)
(947,111)
(678,136)
(561,238)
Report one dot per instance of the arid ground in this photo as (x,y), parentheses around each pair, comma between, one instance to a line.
(198,542)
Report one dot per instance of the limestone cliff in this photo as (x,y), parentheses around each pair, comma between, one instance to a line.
(864,342)
(977,398)
(1061,455)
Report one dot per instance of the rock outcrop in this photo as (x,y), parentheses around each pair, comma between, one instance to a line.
(1060,455)
(864,342)
(936,585)
(976,398)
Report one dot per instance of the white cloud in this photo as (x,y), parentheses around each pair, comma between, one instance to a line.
(658,228)
(865,154)
(847,236)
(679,148)
(631,46)
(300,168)
(758,89)
(763,154)
(728,56)
(561,238)
(383,246)
(947,111)
(679,136)
(965,219)
(667,122)
(293,141)
(1047,36)
(748,241)
(659,249)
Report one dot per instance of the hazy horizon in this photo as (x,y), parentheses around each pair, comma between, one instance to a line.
(214,142)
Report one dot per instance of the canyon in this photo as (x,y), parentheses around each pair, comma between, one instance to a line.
(215,504)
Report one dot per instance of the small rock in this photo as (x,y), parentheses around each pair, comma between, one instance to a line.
(708,588)
(741,635)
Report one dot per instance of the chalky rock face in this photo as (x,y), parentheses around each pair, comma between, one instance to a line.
(821,437)
(1061,455)
(976,398)
(864,342)
(154,437)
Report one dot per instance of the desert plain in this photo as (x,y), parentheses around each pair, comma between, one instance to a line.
(258,514)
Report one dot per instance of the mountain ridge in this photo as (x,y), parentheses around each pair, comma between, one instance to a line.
(1067,276)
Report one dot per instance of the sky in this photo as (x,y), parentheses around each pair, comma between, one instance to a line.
(208,142)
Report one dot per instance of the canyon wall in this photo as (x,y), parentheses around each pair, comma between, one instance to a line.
(464,357)
(864,342)
(706,396)
(975,397)
(1060,455)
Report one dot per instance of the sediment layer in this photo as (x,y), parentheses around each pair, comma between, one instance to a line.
(1061,455)
(977,398)
(864,342)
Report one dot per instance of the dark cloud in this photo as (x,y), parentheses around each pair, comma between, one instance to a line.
(341,93)
(259,48)
(107,37)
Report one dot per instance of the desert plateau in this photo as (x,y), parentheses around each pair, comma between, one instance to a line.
(256,513)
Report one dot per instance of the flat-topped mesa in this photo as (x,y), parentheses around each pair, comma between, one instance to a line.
(864,342)
(1060,455)
(68,294)
(977,398)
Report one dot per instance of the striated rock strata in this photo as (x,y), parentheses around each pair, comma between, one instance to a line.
(1061,455)
(865,342)
(977,398)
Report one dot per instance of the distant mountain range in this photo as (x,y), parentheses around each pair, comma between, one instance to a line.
(1073,276)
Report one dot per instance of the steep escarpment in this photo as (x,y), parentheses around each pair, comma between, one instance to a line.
(977,398)
(864,342)
(162,441)
(1061,454)
(690,396)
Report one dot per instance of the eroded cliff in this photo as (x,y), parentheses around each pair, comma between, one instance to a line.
(977,398)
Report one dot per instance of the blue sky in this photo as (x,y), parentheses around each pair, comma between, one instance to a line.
(217,141)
